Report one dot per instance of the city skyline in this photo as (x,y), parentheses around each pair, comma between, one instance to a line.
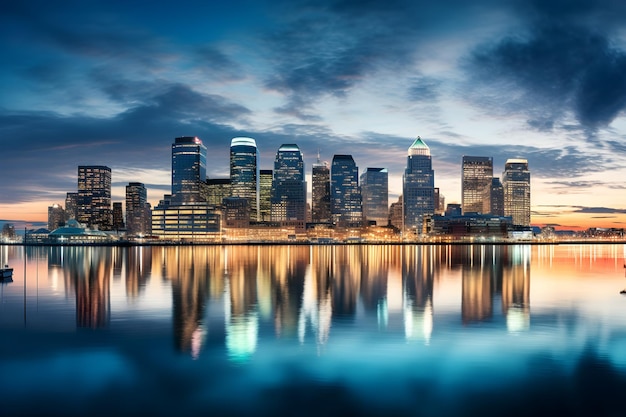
(535,80)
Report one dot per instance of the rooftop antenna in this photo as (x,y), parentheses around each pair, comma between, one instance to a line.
(318,155)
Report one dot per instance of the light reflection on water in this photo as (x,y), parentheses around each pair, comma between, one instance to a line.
(417,330)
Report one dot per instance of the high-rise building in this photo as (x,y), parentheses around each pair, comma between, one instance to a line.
(345,194)
(477,173)
(244,172)
(516,184)
(185,215)
(94,196)
(217,189)
(396,214)
(375,194)
(418,186)
(265,194)
(56,217)
(188,169)
(493,198)
(138,214)
(320,193)
(289,186)
(118,216)
(71,206)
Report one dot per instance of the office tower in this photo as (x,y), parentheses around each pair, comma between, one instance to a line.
(216,190)
(345,195)
(418,186)
(477,174)
(244,172)
(395,214)
(118,216)
(320,193)
(265,194)
(374,191)
(188,169)
(516,184)
(453,209)
(493,198)
(137,210)
(71,206)
(56,217)
(94,196)
(289,186)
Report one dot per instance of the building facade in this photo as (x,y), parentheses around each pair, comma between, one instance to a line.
(244,172)
(493,199)
(345,194)
(118,216)
(477,172)
(320,193)
(418,187)
(516,185)
(289,186)
(94,196)
(71,206)
(188,169)
(216,190)
(266,177)
(138,214)
(56,217)
(375,194)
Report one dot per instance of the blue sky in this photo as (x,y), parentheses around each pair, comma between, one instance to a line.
(113,83)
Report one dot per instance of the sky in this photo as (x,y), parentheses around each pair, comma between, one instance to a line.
(114,82)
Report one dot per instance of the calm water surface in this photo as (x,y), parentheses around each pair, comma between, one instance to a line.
(325,330)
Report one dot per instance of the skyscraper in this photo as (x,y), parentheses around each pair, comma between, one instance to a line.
(265,194)
(118,216)
(185,215)
(288,186)
(477,175)
(418,186)
(493,199)
(217,189)
(137,210)
(71,206)
(345,195)
(56,217)
(94,196)
(244,172)
(375,193)
(516,184)
(320,195)
(188,169)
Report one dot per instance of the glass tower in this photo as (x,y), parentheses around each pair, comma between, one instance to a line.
(244,172)
(94,196)
(345,194)
(265,194)
(320,193)
(493,200)
(418,186)
(477,175)
(516,184)
(137,210)
(374,189)
(188,169)
(288,185)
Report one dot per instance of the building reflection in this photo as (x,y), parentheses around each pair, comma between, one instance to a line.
(87,272)
(492,271)
(188,270)
(138,267)
(317,309)
(418,271)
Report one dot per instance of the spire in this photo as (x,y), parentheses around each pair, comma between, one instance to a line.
(318,155)
(419,148)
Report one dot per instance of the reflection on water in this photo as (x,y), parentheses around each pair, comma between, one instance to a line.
(368,305)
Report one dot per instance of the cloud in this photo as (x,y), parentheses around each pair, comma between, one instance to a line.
(552,70)
(598,210)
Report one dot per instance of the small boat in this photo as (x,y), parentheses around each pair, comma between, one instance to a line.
(6,273)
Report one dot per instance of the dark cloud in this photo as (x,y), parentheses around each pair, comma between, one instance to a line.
(553,69)
(598,210)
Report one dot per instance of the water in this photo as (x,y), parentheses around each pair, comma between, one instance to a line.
(324,330)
